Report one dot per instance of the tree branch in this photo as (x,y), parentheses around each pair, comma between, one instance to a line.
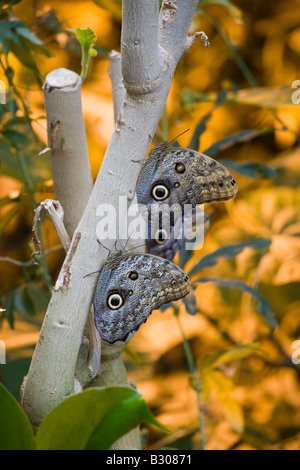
(51,374)
(140,40)
(118,89)
(71,171)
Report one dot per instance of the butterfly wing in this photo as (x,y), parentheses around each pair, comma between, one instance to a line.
(173,177)
(166,243)
(189,176)
(141,284)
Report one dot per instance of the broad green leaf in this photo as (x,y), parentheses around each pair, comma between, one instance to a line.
(229,251)
(263,306)
(86,37)
(16,432)
(93,419)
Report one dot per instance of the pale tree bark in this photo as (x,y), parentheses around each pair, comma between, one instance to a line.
(118,89)
(70,166)
(152,44)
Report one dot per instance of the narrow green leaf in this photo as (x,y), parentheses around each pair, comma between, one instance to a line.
(16,432)
(263,307)
(230,140)
(13,36)
(24,56)
(229,251)
(226,356)
(233,9)
(8,216)
(16,138)
(251,169)
(26,33)
(190,304)
(11,24)
(200,128)
(12,2)
(10,310)
(94,418)
(23,302)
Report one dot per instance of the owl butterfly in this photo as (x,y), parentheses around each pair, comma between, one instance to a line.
(172,176)
(129,288)
(166,240)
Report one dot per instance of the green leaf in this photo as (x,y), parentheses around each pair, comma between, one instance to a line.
(10,310)
(14,373)
(93,419)
(11,3)
(16,138)
(234,11)
(251,169)
(200,128)
(190,304)
(263,307)
(229,251)
(184,256)
(87,39)
(24,56)
(229,141)
(8,216)
(23,302)
(26,33)
(16,432)
(226,356)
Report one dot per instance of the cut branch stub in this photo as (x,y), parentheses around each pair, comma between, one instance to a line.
(70,166)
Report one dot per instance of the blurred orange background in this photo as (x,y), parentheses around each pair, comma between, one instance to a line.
(250,400)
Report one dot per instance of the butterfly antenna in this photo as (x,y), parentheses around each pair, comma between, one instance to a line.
(99,271)
(135,247)
(103,246)
(184,132)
